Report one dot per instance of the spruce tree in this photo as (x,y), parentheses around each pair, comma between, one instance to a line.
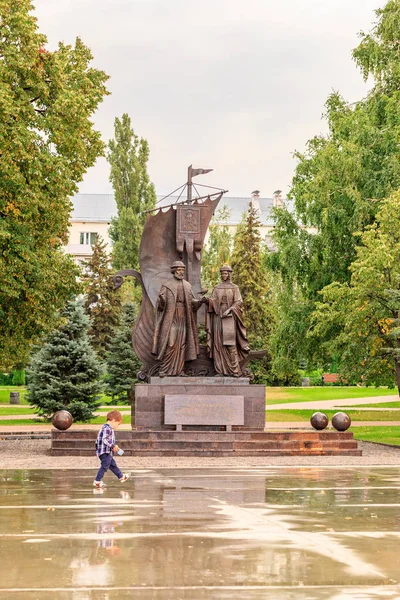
(65,373)
(122,362)
(134,193)
(102,303)
(251,277)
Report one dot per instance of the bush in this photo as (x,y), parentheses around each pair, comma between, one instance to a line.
(80,411)
(315,377)
(5,378)
(18,377)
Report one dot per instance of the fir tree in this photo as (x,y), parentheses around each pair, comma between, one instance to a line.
(134,193)
(122,362)
(251,277)
(218,248)
(103,303)
(65,372)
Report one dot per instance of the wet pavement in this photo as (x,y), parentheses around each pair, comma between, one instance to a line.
(268,533)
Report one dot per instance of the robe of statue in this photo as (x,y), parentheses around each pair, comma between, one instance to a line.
(226,354)
(175,337)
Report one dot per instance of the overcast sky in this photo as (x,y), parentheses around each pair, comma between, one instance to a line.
(233,85)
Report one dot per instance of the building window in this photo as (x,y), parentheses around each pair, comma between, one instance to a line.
(88,238)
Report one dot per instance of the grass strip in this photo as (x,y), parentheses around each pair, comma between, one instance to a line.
(383,435)
(5,411)
(312,394)
(126,419)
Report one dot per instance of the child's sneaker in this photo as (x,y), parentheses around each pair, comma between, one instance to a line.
(124,477)
(99,484)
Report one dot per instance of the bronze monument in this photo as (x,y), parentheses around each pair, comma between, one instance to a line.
(227,340)
(175,338)
(176,233)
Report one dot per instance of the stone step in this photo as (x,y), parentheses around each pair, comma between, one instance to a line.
(208,453)
(162,445)
(201,443)
(190,436)
(25,436)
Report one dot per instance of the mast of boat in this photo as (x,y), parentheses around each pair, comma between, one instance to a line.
(193,173)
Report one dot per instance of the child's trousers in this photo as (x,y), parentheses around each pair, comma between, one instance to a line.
(108,462)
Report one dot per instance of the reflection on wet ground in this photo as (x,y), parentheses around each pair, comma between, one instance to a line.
(194,534)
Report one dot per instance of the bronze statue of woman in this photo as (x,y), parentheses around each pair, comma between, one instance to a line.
(226,334)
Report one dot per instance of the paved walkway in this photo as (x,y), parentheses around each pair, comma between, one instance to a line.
(211,534)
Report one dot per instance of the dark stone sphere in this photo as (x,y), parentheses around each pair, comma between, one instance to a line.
(62,419)
(341,421)
(319,421)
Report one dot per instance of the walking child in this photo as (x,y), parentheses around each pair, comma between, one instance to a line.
(106,447)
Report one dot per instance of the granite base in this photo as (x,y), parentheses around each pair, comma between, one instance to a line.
(150,401)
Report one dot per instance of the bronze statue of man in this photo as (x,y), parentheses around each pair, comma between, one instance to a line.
(227,341)
(175,337)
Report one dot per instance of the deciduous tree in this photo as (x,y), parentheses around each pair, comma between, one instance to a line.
(360,319)
(134,193)
(47,142)
(340,181)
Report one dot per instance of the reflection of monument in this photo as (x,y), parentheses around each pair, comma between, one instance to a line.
(227,340)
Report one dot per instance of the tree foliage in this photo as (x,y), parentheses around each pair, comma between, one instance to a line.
(218,248)
(47,142)
(65,372)
(102,302)
(251,277)
(134,193)
(340,182)
(360,319)
(122,362)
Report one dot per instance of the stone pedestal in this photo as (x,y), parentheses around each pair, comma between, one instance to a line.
(150,401)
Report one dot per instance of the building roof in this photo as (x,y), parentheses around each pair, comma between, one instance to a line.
(93,207)
(102,207)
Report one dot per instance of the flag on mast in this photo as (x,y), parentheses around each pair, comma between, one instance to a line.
(200,171)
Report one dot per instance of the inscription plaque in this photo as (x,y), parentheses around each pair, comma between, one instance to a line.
(203,410)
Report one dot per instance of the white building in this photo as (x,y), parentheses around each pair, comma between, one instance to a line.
(92,214)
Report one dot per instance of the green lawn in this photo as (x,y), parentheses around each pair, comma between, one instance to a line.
(275,395)
(126,419)
(384,435)
(24,409)
(279,395)
(275,416)
(5,393)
